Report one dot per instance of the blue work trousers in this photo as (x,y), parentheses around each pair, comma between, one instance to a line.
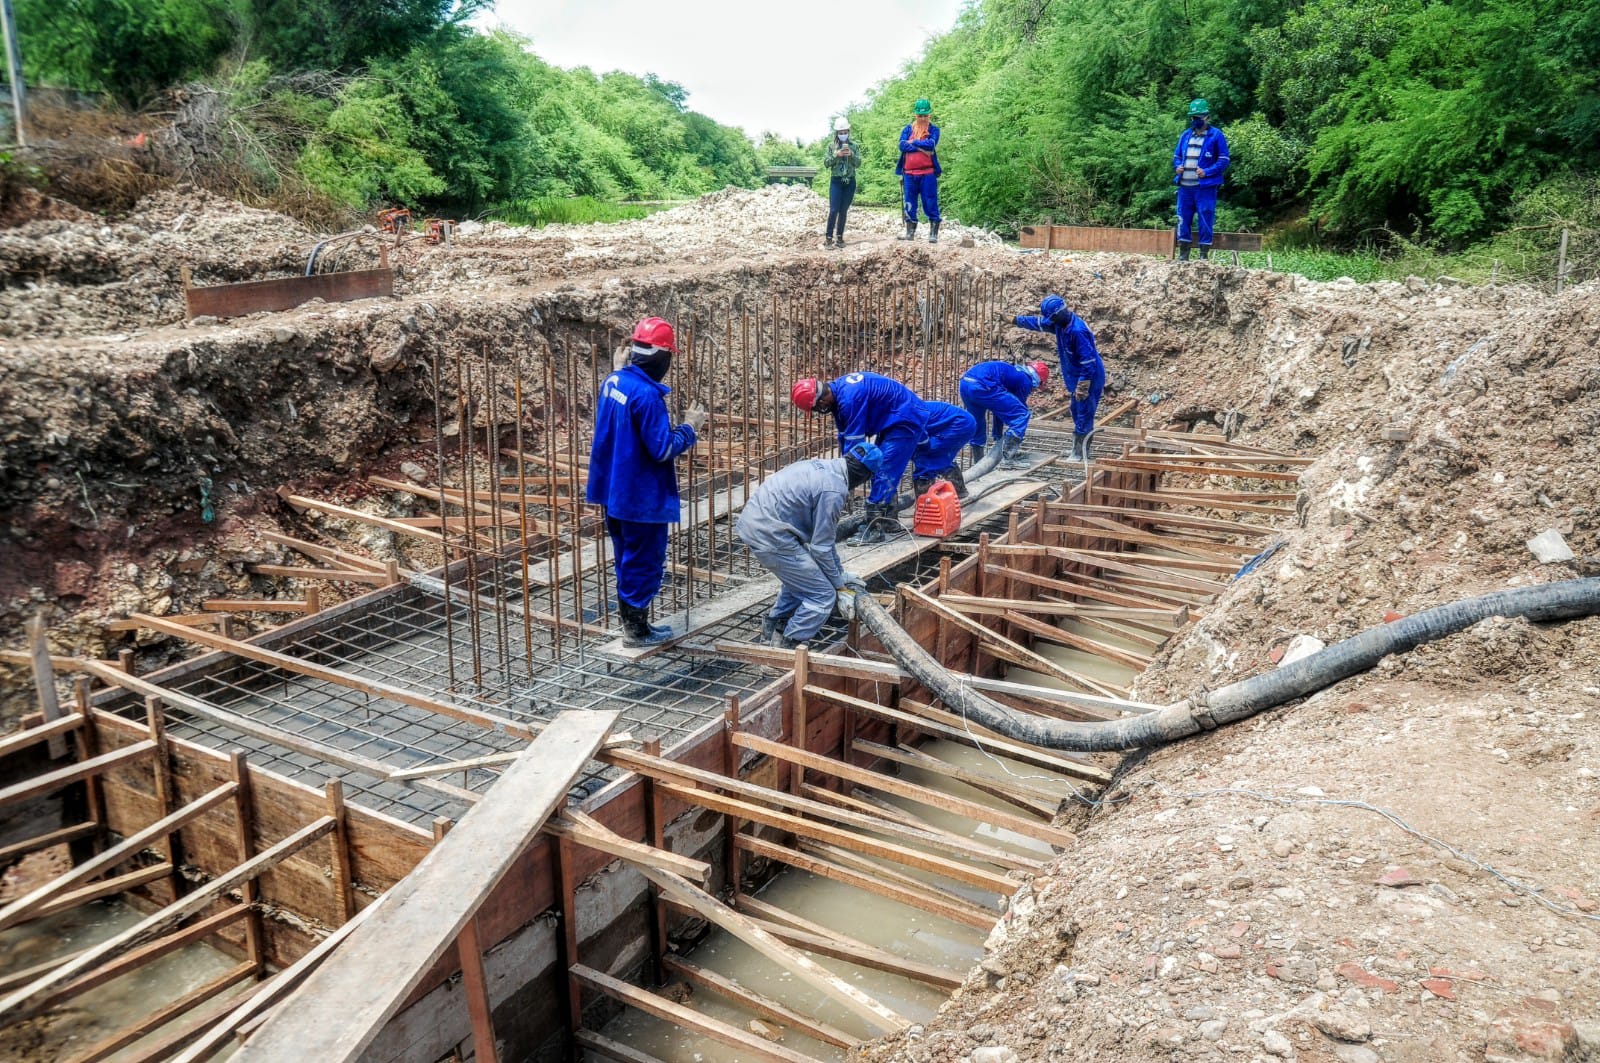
(897,444)
(840,195)
(987,403)
(641,552)
(924,186)
(807,597)
(949,428)
(1193,201)
(1083,413)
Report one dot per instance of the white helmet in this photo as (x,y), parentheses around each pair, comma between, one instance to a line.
(841,124)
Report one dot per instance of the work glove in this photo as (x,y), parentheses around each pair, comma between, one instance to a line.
(1081,392)
(847,602)
(854,582)
(696,418)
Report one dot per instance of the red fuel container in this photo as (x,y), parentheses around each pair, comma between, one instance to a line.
(938,511)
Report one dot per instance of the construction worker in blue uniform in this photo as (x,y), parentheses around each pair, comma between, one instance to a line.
(790,524)
(919,170)
(870,406)
(996,394)
(1198,164)
(1082,371)
(631,473)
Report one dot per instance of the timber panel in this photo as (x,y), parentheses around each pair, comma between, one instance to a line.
(285,293)
(1124,241)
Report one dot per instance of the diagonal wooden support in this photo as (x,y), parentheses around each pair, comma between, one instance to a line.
(340,1009)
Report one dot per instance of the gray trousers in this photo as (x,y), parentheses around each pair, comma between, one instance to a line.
(807,597)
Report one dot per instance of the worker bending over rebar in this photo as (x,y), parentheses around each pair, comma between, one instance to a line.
(907,429)
(790,525)
(1082,371)
(996,394)
(631,473)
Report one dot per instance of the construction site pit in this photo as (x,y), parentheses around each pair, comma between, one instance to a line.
(323,743)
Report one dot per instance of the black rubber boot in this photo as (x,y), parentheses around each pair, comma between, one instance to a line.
(933,232)
(977,452)
(953,474)
(911,231)
(874,529)
(1183,250)
(1078,448)
(771,628)
(1205,251)
(1010,451)
(920,485)
(636,627)
(786,643)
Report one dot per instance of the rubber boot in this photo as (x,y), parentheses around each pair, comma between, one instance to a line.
(1183,250)
(636,627)
(911,231)
(786,643)
(1011,451)
(873,530)
(920,485)
(976,450)
(1205,251)
(953,474)
(933,232)
(771,627)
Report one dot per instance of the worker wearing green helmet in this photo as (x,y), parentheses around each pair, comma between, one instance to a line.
(1197,167)
(919,170)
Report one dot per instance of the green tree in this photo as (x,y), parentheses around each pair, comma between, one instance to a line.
(130,48)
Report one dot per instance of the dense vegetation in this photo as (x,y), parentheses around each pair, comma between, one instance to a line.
(362,101)
(1439,120)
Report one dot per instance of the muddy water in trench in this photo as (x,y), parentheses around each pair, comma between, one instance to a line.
(77,1024)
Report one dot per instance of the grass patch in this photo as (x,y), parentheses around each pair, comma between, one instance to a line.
(575,210)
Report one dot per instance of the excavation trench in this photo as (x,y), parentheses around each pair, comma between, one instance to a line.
(372,722)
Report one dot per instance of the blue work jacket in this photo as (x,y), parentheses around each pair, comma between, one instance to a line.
(630,464)
(866,405)
(1213,156)
(927,143)
(1003,375)
(1074,345)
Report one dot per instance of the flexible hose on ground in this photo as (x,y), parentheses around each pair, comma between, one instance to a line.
(1237,701)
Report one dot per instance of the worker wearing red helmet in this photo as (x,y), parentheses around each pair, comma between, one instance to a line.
(997,392)
(907,429)
(631,473)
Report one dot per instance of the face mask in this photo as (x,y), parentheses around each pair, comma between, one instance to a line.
(1198,122)
(655,363)
(844,135)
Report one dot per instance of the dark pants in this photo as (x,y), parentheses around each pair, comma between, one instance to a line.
(840,195)
(1192,202)
(641,550)
(924,186)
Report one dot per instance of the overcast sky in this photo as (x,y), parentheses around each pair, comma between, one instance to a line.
(751,63)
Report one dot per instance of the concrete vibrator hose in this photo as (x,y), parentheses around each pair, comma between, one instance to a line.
(1567,600)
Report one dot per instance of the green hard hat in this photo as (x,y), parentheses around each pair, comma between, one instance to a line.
(1198,107)
(922,106)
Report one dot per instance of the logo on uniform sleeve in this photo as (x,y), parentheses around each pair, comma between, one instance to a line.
(612,391)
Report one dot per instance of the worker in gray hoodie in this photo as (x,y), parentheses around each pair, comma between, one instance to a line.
(790,524)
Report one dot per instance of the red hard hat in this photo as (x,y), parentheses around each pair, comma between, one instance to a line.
(804,393)
(1041,371)
(656,333)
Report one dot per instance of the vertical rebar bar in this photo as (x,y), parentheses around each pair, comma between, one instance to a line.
(444,538)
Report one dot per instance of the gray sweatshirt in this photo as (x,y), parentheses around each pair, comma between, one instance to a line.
(799,506)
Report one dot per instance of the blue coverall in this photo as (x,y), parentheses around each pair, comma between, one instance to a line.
(924,186)
(1197,193)
(631,474)
(946,431)
(790,524)
(997,391)
(867,405)
(1079,361)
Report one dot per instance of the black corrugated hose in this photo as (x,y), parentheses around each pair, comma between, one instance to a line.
(1237,701)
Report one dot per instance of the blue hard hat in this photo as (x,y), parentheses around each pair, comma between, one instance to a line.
(867,454)
(1051,305)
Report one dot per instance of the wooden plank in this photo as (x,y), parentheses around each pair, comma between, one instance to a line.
(594,1044)
(901,880)
(1219,459)
(44,841)
(44,681)
(330,555)
(1018,792)
(1138,662)
(1097,238)
(585,830)
(1187,564)
(108,887)
(32,736)
(1198,470)
(338,1011)
(1164,579)
(163,1015)
(285,293)
(300,502)
(55,780)
(888,784)
(871,884)
(254,605)
(1008,650)
(860,800)
(807,828)
(1163,518)
(1006,748)
(337,575)
(1097,528)
(154,925)
(968,603)
(132,961)
(826,941)
(1215,502)
(749,1045)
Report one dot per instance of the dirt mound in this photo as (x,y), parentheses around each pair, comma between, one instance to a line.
(732,222)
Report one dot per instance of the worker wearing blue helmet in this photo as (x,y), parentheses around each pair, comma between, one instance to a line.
(790,525)
(1082,372)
